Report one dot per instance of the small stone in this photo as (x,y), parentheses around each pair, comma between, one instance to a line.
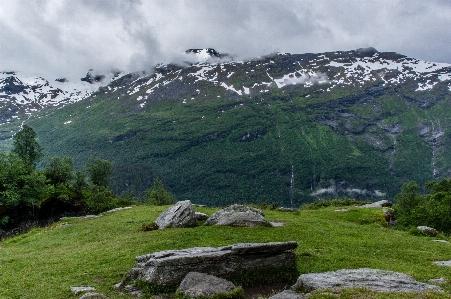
(440,280)
(78,290)
(131,289)
(432,232)
(93,296)
(443,263)
(441,241)
(197,284)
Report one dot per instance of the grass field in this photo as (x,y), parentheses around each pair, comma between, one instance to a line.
(46,262)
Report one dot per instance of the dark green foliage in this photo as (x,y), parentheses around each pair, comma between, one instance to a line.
(99,172)
(158,195)
(60,170)
(26,147)
(28,195)
(19,185)
(432,209)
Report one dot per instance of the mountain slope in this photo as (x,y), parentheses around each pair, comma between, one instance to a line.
(283,128)
(22,96)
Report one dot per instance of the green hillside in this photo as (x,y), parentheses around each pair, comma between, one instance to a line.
(46,262)
(221,149)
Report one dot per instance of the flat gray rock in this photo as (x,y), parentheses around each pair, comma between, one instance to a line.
(238,215)
(180,214)
(82,289)
(372,279)
(169,267)
(377,204)
(93,296)
(197,284)
(288,295)
(443,263)
(430,231)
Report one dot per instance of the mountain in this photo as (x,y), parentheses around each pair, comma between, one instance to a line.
(22,96)
(284,128)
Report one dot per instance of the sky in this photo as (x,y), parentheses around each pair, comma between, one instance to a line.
(66,38)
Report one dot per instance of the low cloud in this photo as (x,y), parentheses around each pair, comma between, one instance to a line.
(65,38)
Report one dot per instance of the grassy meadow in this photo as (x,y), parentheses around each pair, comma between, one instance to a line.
(46,262)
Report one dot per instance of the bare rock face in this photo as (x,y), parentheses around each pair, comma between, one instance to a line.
(179,215)
(168,268)
(197,284)
(372,279)
(238,215)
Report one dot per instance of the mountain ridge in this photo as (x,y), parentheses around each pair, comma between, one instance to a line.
(345,123)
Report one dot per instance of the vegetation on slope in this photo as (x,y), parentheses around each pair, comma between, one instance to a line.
(284,146)
(46,262)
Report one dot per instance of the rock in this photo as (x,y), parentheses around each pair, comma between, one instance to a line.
(440,280)
(237,215)
(432,232)
(441,241)
(201,216)
(118,209)
(168,268)
(133,290)
(78,290)
(378,204)
(93,296)
(443,263)
(371,279)
(197,284)
(179,215)
(288,295)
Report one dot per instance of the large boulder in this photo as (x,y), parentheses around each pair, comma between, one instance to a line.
(181,214)
(168,268)
(238,215)
(197,284)
(371,279)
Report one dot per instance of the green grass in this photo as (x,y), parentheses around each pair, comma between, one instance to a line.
(46,262)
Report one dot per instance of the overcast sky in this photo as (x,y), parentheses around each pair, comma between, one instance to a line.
(66,38)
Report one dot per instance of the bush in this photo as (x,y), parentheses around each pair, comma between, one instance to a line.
(432,209)
(158,195)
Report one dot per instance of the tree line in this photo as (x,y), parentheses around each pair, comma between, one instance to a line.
(56,189)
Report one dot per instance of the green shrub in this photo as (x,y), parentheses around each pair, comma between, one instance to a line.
(432,209)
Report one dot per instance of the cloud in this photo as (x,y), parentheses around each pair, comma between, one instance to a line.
(57,38)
